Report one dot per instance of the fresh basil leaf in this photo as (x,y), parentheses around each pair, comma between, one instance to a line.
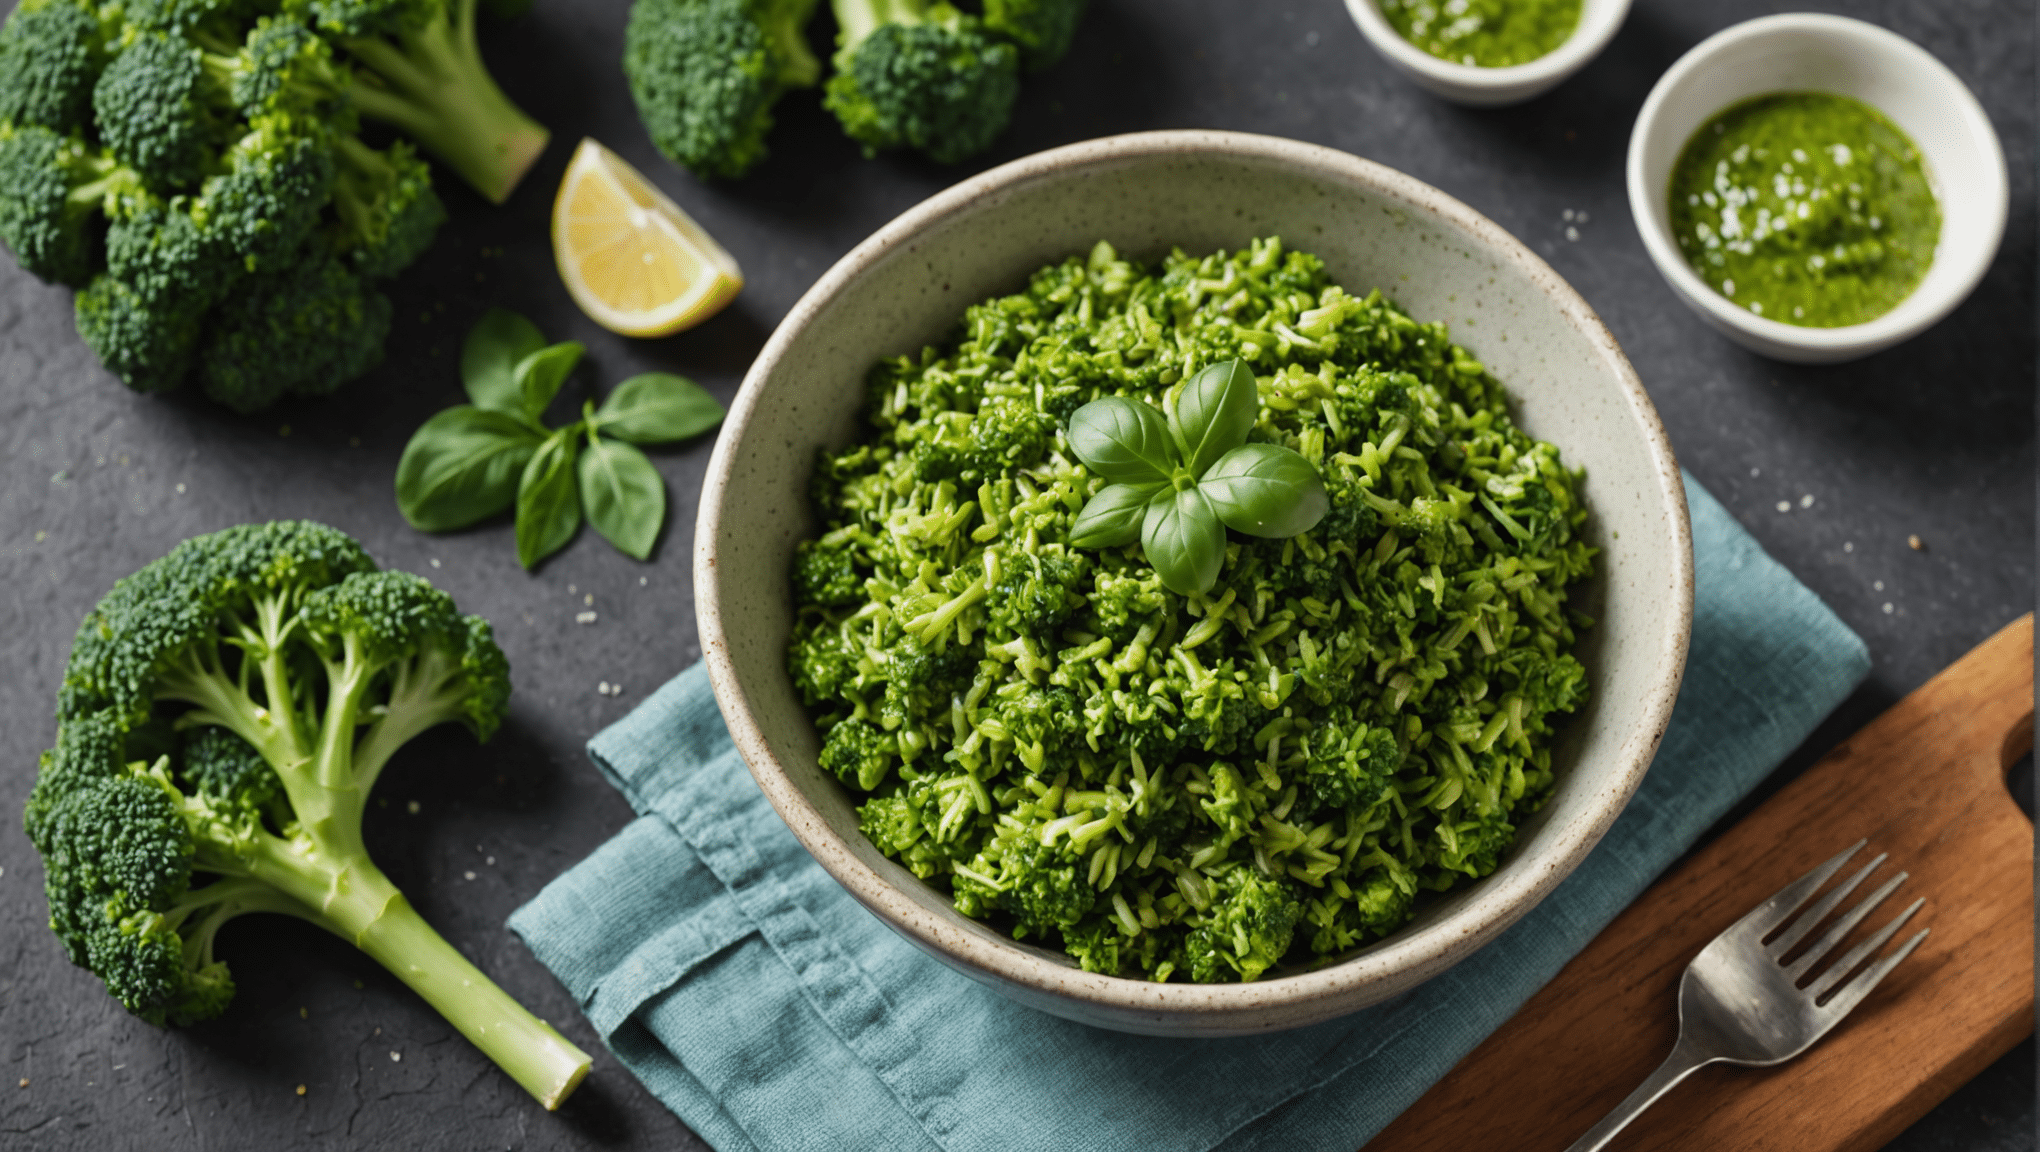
(540,375)
(1112,517)
(657,407)
(1212,413)
(548,497)
(1265,490)
(462,466)
(1122,440)
(623,496)
(1183,540)
(488,360)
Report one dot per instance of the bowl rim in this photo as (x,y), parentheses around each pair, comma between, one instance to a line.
(1597,25)
(1906,319)
(1396,962)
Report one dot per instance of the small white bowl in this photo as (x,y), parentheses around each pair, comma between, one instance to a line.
(1800,52)
(1492,87)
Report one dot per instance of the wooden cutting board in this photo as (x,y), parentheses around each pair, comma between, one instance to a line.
(1924,782)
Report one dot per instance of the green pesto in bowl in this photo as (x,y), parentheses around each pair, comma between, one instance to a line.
(1484,33)
(1199,787)
(1805,207)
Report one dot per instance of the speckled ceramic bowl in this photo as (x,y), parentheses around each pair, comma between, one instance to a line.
(1492,87)
(1201,191)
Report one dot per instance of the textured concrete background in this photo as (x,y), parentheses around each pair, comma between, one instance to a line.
(1935,438)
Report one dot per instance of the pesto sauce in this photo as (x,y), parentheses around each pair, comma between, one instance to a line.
(1485,33)
(1805,207)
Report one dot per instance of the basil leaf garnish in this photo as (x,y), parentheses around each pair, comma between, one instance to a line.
(1123,440)
(488,359)
(540,375)
(656,408)
(462,466)
(1183,540)
(623,496)
(548,497)
(1212,413)
(1265,490)
(1113,517)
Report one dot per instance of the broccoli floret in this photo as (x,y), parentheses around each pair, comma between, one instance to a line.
(297,670)
(1248,929)
(162,111)
(1350,762)
(1036,592)
(429,80)
(388,211)
(51,53)
(148,342)
(51,190)
(860,754)
(824,663)
(825,576)
(261,210)
(302,331)
(160,250)
(920,75)
(1042,28)
(706,74)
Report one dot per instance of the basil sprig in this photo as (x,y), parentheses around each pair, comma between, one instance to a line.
(469,463)
(1177,483)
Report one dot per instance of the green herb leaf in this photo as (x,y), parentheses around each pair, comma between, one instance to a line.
(1212,413)
(623,495)
(1265,490)
(1113,517)
(488,360)
(462,466)
(548,497)
(1123,440)
(657,407)
(1183,540)
(540,375)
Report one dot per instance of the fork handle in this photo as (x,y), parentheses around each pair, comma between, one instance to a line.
(1685,1059)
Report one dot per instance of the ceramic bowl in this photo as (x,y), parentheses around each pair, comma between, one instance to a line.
(908,284)
(1810,52)
(1492,87)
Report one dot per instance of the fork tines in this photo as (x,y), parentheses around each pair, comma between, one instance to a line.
(1784,925)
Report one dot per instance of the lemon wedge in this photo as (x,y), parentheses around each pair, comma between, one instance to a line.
(633,261)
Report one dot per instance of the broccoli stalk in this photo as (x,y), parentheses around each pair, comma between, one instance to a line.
(293,670)
(914,74)
(426,76)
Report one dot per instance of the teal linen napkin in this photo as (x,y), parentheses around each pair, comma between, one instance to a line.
(770,1011)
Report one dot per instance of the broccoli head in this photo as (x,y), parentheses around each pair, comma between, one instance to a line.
(51,191)
(294,671)
(1043,29)
(706,74)
(300,331)
(160,110)
(1036,592)
(1248,929)
(860,754)
(146,340)
(387,209)
(51,53)
(825,576)
(914,75)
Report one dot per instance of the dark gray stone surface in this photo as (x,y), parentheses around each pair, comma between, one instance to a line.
(1934,438)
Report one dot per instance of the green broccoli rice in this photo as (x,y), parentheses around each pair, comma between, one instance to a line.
(1199,787)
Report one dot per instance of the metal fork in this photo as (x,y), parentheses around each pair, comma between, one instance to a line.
(1740,1003)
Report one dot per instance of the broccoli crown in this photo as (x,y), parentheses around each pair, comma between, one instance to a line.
(147,340)
(271,670)
(300,331)
(1270,772)
(47,200)
(925,78)
(158,108)
(51,52)
(388,212)
(278,179)
(1043,29)
(285,67)
(706,74)
(162,253)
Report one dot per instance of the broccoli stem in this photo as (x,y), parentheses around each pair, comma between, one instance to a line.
(346,894)
(434,86)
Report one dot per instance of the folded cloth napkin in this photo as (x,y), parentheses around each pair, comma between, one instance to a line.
(770,1011)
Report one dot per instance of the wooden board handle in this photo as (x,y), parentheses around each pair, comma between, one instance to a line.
(1924,782)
